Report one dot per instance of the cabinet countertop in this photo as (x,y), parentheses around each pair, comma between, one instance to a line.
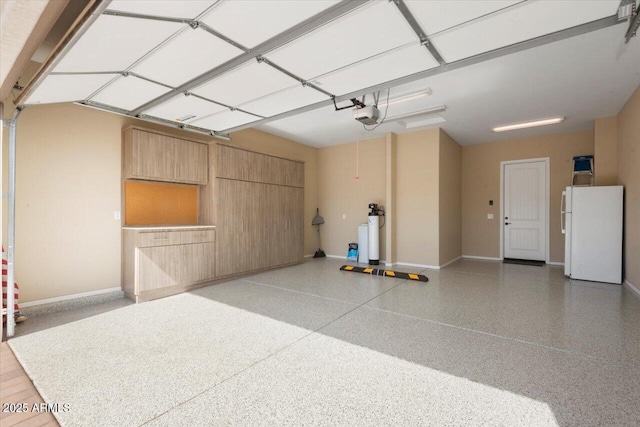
(166,227)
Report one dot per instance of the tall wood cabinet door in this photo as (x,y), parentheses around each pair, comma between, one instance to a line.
(191,162)
(273,224)
(295,224)
(286,237)
(158,267)
(281,237)
(261,204)
(253,202)
(152,156)
(232,231)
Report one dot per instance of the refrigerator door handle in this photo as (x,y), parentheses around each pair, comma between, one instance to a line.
(562,212)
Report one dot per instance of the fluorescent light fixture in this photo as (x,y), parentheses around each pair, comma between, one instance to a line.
(532,124)
(430,120)
(415,114)
(409,97)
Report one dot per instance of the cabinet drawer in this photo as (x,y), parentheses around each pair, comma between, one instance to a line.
(158,238)
(174,237)
(197,236)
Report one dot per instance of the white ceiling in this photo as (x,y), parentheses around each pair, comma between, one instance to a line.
(370,45)
(581,78)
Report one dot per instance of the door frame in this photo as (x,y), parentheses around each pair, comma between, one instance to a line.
(547,200)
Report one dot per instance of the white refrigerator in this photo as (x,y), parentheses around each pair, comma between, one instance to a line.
(591,220)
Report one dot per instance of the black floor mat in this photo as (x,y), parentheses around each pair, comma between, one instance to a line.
(523,262)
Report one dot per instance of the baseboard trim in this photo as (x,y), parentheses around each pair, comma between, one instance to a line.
(431,267)
(397,263)
(450,262)
(68,297)
(634,289)
(344,258)
(555,263)
(486,258)
(309,256)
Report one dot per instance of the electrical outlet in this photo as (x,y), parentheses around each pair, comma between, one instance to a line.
(116,215)
(489,216)
(344,216)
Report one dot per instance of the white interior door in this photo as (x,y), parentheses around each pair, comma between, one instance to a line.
(525,220)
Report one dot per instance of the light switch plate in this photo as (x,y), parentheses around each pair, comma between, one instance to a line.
(489,216)
(116,215)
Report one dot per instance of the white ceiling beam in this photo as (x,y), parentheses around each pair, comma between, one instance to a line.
(467,62)
(304,27)
(194,23)
(422,35)
(302,81)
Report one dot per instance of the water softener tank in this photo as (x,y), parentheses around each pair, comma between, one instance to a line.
(363,243)
(374,235)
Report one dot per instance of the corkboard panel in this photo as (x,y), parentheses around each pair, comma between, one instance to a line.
(148,203)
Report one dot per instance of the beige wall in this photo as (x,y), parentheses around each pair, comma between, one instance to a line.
(343,200)
(417,203)
(481,183)
(450,199)
(628,174)
(263,142)
(68,187)
(391,253)
(606,151)
(419,171)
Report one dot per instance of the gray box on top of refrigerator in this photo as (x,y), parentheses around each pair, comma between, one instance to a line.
(591,220)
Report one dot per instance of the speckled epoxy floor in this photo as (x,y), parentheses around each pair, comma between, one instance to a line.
(481,343)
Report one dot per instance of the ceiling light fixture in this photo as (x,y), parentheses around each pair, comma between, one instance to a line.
(420,113)
(525,125)
(409,97)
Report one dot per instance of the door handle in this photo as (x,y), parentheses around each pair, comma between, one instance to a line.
(507,223)
(562,211)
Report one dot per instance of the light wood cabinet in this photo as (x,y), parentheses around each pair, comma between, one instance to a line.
(259,211)
(191,161)
(294,213)
(159,157)
(239,164)
(259,226)
(159,262)
(233,238)
(157,268)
